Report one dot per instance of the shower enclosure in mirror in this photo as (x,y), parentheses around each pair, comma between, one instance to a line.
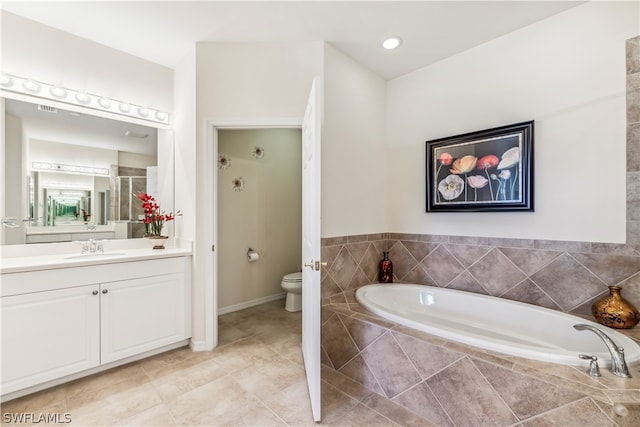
(67,174)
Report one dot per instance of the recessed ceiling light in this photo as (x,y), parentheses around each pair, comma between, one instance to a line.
(392,43)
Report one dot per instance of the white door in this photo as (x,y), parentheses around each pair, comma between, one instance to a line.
(311,246)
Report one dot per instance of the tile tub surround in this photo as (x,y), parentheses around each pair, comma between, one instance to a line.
(565,276)
(450,384)
(429,376)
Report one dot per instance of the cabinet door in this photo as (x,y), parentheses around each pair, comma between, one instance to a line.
(141,314)
(47,335)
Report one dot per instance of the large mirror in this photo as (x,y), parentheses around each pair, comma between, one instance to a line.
(69,175)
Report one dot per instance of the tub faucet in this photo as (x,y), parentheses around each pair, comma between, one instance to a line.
(618,364)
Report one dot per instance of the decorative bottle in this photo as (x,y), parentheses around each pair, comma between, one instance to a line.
(385,269)
(614,311)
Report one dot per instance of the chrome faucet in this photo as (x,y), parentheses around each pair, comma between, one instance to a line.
(91,245)
(618,364)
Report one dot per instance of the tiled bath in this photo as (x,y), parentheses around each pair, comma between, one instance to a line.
(449,384)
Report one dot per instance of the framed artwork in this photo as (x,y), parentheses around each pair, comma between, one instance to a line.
(488,170)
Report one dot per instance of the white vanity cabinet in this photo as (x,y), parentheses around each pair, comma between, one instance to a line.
(140,315)
(48,335)
(59,322)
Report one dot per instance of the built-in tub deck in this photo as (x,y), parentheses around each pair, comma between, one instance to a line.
(354,341)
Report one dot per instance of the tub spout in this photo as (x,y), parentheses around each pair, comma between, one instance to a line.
(618,364)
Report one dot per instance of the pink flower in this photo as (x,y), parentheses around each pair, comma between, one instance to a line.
(477,181)
(446,159)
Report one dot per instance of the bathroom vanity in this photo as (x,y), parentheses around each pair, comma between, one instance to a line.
(65,315)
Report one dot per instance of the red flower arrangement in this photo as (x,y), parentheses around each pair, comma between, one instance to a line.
(154,218)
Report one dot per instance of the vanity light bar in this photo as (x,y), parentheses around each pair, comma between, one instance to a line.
(89,170)
(31,87)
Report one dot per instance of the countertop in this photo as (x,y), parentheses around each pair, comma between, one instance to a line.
(50,256)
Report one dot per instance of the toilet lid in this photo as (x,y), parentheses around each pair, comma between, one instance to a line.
(293,277)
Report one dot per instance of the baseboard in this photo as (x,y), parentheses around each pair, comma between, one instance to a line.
(253,302)
(198,345)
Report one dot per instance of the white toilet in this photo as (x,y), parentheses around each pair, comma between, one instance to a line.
(292,285)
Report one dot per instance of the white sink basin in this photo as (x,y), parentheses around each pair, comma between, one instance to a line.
(96,255)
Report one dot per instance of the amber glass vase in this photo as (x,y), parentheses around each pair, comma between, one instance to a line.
(614,311)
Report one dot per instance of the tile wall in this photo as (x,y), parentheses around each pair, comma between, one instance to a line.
(633,142)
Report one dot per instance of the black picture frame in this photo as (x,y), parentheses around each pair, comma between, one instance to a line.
(483,171)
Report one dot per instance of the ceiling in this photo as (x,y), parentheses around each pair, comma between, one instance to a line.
(164,31)
(67,127)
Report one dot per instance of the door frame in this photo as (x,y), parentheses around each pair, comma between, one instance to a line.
(211,200)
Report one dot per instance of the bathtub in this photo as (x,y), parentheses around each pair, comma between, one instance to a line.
(491,323)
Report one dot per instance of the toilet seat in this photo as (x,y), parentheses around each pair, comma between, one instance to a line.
(293,277)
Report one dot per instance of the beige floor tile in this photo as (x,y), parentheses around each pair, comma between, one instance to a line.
(111,404)
(36,402)
(335,404)
(211,404)
(292,404)
(99,381)
(361,415)
(253,415)
(263,379)
(228,334)
(174,360)
(157,416)
(179,381)
(243,354)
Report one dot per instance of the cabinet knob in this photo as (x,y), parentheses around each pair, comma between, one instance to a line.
(104,291)
(94,293)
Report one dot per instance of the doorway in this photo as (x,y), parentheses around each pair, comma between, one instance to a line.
(259,194)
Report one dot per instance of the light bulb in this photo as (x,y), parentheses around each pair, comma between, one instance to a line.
(31,86)
(6,80)
(58,92)
(83,98)
(161,115)
(104,103)
(124,107)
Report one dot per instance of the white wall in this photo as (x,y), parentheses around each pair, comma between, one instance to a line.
(30,49)
(568,74)
(265,216)
(14,201)
(354,165)
(134,160)
(53,152)
(185,143)
(239,82)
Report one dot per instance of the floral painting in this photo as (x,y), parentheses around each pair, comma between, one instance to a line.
(487,170)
